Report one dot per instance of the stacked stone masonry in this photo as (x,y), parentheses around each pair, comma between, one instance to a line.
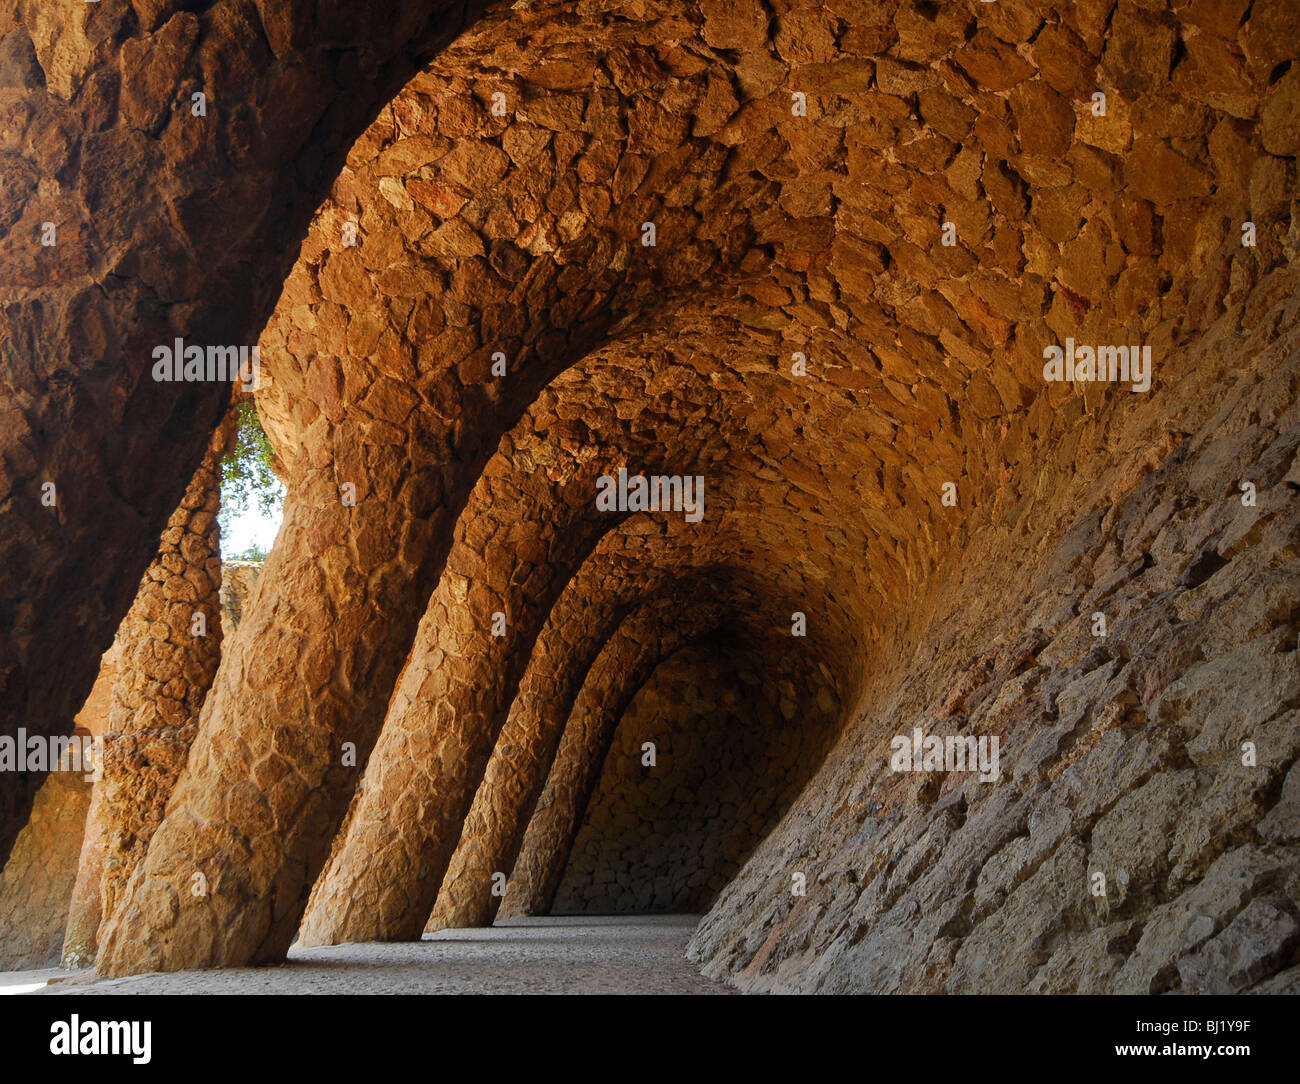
(727,760)
(166,225)
(869,221)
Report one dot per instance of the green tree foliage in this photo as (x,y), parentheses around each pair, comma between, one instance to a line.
(247,480)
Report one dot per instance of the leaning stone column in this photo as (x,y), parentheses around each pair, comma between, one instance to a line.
(445,717)
(168,224)
(81,933)
(82,924)
(622,668)
(494,830)
(291,713)
(170,647)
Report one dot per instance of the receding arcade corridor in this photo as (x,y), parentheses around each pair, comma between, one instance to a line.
(828,466)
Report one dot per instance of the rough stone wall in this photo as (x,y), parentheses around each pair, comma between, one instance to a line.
(37,880)
(735,739)
(44,869)
(237,581)
(1161,756)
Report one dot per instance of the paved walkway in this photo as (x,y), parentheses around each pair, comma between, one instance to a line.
(621,954)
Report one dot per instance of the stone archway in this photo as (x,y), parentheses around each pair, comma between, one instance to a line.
(870,230)
(162,225)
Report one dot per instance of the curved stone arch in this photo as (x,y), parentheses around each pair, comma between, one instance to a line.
(707,757)
(167,225)
(372,605)
(322,928)
(544,406)
(595,602)
(636,562)
(234,675)
(624,664)
(453,698)
(250,825)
